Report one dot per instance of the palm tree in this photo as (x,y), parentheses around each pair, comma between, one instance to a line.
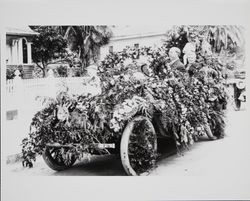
(86,41)
(221,37)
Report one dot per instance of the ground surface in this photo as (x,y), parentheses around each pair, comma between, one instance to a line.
(228,156)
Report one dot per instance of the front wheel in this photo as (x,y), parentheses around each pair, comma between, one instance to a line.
(58,158)
(138,146)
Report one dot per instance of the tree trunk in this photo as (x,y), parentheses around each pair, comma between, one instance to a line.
(44,72)
(44,69)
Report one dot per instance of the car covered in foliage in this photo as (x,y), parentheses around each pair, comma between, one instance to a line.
(142,102)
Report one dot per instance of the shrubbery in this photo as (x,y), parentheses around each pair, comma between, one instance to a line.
(10,72)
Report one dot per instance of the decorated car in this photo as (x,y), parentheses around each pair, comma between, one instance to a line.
(142,102)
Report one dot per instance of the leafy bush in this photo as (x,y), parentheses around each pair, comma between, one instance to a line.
(62,71)
(78,71)
(38,73)
(10,72)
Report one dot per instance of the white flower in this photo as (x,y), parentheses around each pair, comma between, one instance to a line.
(170,90)
(162,104)
(126,78)
(112,122)
(128,61)
(114,125)
(81,106)
(97,109)
(139,76)
(129,102)
(154,85)
(116,129)
(120,118)
(121,111)
(127,109)
(184,110)
(112,82)
(143,60)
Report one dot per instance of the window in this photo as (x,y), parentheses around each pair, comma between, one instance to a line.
(111,49)
(25,52)
(11,114)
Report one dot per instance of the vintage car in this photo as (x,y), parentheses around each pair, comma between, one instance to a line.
(142,140)
(137,115)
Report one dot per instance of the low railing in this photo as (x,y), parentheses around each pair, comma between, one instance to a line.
(49,85)
(27,90)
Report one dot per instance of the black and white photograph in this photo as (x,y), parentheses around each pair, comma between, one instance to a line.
(91,101)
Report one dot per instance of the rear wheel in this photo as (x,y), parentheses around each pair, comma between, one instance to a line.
(58,158)
(217,124)
(138,146)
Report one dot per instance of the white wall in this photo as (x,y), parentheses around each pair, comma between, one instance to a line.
(119,45)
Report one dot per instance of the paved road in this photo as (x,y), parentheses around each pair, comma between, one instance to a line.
(221,157)
(228,156)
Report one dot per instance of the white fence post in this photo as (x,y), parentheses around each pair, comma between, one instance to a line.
(18,90)
(19,94)
(51,83)
(18,84)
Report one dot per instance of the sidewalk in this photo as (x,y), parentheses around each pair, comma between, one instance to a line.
(16,130)
(21,109)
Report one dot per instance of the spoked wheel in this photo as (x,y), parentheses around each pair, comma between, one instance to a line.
(217,124)
(58,158)
(138,146)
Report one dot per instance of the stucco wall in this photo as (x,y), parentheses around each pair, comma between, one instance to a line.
(119,45)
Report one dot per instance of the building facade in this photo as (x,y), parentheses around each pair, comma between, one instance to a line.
(134,36)
(19,49)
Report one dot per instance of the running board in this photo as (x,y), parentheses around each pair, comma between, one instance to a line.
(95,145)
